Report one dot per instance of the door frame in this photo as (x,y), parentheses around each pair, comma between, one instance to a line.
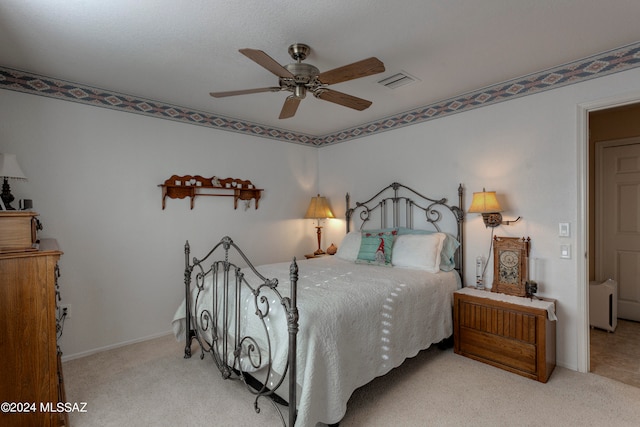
(583,237)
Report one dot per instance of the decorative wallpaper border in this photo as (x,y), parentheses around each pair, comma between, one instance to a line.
(613,61)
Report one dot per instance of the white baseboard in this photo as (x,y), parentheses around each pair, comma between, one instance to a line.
(66,358)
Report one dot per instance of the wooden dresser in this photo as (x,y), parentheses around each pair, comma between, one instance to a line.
(512,333)
(30,372)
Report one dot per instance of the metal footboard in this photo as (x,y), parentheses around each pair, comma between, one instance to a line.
(215,319)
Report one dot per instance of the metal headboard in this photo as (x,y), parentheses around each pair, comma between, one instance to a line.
(397,199)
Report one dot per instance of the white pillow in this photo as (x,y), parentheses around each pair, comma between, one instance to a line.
(419,251)
(350,246)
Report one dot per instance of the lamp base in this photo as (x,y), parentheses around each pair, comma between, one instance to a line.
(6,196)
(495,219)
(492,219)
(319,251)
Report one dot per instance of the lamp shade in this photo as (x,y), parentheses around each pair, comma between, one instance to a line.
(485,202)
(9,167)
(318,208)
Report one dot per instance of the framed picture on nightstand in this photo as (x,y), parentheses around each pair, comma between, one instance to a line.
(510,265)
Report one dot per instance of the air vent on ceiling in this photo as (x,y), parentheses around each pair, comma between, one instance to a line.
(400,79)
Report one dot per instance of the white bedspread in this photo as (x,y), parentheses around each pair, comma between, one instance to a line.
(357,322)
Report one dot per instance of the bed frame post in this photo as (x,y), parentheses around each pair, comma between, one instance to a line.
(460,220)
(188,333)
(348,213)
(293,332)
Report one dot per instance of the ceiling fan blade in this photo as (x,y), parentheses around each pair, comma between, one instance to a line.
(244,92)
(264,60)
(366,67)
(343,99)
(290,107)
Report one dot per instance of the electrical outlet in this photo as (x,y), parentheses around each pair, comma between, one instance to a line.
(65,311)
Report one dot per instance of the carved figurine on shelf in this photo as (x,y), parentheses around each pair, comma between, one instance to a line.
(215,182)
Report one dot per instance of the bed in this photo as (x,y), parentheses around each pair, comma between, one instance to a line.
(308,333)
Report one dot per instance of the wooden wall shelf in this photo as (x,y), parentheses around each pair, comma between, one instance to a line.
(179,187)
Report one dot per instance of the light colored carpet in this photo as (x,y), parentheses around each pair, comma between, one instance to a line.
(150,383)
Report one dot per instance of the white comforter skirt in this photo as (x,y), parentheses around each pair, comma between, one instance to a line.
(357,322)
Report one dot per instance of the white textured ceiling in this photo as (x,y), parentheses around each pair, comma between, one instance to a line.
(177,51)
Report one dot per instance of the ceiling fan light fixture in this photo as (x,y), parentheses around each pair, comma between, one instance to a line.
(300,92)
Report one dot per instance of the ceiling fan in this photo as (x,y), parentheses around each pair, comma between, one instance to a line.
(300,78)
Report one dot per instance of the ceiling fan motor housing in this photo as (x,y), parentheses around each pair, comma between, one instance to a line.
(305,77)
(303,72)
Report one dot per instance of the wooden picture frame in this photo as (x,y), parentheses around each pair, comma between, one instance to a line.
(510,265)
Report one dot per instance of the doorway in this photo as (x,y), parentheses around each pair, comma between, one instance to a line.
(614,135)
(617,219)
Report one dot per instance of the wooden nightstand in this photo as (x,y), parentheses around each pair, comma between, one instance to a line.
(512,333)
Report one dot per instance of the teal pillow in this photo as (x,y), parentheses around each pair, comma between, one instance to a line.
(376,247)
(447,261)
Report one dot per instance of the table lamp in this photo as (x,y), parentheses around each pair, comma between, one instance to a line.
(9,169)
(318,209)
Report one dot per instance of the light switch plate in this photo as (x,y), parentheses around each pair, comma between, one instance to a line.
(565,251)
(564,229)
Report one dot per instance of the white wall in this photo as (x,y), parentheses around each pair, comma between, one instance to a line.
(93,175)
(525,149)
